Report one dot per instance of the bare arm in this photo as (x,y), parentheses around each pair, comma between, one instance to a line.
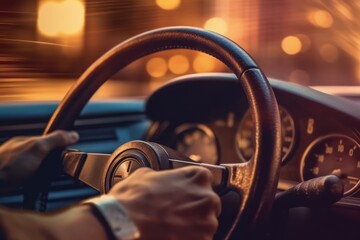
(73,223)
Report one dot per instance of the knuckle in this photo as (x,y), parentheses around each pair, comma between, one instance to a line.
(60,136)
(208,227)
(203,176)
(213,224)
(211,204)
(38,145)
(215,199)
(142,170)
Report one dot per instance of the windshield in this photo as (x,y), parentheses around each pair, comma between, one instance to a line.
(45,45)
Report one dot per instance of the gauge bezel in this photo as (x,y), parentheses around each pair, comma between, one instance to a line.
(208,132)
(314,143)
(291,146)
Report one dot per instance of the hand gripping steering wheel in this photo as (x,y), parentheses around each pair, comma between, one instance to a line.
(255,181)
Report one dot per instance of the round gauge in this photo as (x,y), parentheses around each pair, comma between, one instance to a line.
(245,135)
(197,142)
(335,154)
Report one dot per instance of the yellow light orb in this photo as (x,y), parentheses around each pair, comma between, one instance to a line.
(73,15)
(216,24)
(156,67)
(48,21)
(168,4)
(61,18)
(291,45)
(204,63)
(323,19)
(179,64)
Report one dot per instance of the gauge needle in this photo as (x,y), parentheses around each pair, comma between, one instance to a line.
(195,157)
(353,178)
(337,172)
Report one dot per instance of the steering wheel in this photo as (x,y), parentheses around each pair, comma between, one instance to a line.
(255,180)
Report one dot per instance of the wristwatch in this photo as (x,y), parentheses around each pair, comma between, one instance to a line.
(114,217)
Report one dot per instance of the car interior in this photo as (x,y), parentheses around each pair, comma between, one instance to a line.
(264,94)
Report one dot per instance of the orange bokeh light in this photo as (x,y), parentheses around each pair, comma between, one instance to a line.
(61,18)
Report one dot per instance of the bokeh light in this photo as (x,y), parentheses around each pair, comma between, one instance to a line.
(204,63)
(61,18)
(168,4)
(291,45)
(216,24)
(156,67)
(343,10)
(179,64)
(321,18)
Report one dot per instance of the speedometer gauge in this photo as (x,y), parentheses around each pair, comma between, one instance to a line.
(335,154)
(245,135)
(197,142)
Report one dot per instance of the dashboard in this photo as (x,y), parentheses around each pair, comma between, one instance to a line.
(206,117)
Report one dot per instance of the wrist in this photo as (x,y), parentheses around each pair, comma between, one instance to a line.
(78,222)
(73,223)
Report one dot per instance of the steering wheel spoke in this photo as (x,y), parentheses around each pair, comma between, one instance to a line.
(219,173)
(240,176)
(86,167)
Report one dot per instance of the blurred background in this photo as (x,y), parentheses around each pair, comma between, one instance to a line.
(45,45)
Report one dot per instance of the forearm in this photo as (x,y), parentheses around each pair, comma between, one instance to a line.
(74,223)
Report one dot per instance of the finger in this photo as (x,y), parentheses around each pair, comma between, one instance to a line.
(190,172)
(58,138)
(142,171)
(216,202)
(202,203)
(200,175)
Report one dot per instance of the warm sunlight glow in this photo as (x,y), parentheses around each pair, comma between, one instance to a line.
(168,4)
(321,18)
(179,64)
(344,11)
(329,53)
(300,77)
(216,24)
(291,45)
(156,67)
(61,18)
(204,63)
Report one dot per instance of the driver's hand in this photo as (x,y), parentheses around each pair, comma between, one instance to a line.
(21,156)
(172,204)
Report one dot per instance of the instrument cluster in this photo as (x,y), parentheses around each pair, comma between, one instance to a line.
(320,133)
(336,153)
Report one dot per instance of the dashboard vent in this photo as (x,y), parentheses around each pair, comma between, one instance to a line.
(98,134)
(63,192)
(95,135)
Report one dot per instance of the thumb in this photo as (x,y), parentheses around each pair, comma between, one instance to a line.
(59,138)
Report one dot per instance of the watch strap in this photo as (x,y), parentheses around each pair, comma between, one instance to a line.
(115,217)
